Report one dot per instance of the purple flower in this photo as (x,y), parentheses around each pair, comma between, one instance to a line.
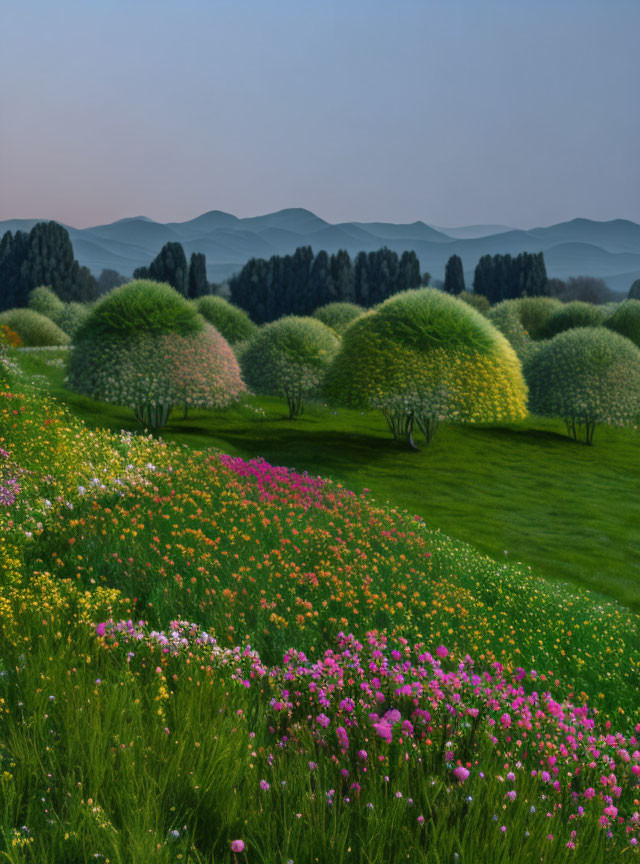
(237,846)
(323,720)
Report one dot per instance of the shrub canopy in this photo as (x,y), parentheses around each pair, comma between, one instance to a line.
(289,358)
(338,316)
(44,300)
(172,356)
(586,376)
(34,329)
(141,306)
(570,315)
(506,317)
(534,312)
(424,356)
(478,301)
(233,323)
(625,320)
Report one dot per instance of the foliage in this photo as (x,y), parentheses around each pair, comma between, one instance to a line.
(198,285)
(169,266)
(501,277)
(67,316)
(478,301)
(34,329)
(626,320)
(464,687)
(587,289)
(233,323)
(289,357)
(506,317)
(534,313)
(587,376)
(109,279)
(423,357)
(46,302)
(152,371)
(634,291)
(570,315)
(454,276)
(42,257)
(299,283)
(338,316)
(147,347)
(140,306)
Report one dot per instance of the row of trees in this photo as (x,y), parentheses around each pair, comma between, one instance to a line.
(502,277)
(170,265)
(44,256)
(299,283)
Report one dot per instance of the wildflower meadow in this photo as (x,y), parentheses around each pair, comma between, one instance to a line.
(205,658)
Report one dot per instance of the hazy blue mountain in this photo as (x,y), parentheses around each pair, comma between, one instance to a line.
(608,250)
(468,232)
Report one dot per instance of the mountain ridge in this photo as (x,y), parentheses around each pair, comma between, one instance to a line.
(606,249)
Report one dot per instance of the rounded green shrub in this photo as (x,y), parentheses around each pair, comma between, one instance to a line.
(45,301)
(171,357)
(506,317)
(626,320)
(571,315)
(587,376)
(423,357)
(234,323)
(34,329)
(289,358)
(535,312)
(338,316)
(142,306)
(478,301)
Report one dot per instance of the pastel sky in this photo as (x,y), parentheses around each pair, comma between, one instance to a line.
(456,112)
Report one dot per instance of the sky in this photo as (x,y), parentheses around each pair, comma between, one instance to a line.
(454,112)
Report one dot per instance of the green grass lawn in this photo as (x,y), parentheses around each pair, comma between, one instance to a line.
(572,512)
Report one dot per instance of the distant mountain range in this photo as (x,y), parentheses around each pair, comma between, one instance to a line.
(608,250)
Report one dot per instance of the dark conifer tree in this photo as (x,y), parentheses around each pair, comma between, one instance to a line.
(198,285)
(454,276)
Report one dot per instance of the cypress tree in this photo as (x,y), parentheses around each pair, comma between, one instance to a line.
(454,276)
(198,285)
(342,276)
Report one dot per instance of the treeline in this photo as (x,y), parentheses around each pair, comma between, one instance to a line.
(298,284)
(501,277)
(170,265)
(44,256)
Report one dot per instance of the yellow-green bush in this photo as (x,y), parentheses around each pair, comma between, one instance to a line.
(625,320)
(423,357)
(34,329)
(233,323)
(289,358)
(587,376)
(338,316)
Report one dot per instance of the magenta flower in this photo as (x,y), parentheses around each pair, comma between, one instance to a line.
(442,651)
(237,846)
(343,738)
(101,629)
(461,773)
(323,720)
(384,731)
(362,755)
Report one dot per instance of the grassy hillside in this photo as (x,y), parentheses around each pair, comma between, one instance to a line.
(516,492)
(355,687)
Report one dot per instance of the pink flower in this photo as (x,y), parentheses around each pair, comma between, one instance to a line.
(362,755)
(384,731)
(237,846)
(461,773)
(323,720)
(392,716)
(441,651)
(101,629)
(343,738)
(611,811)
